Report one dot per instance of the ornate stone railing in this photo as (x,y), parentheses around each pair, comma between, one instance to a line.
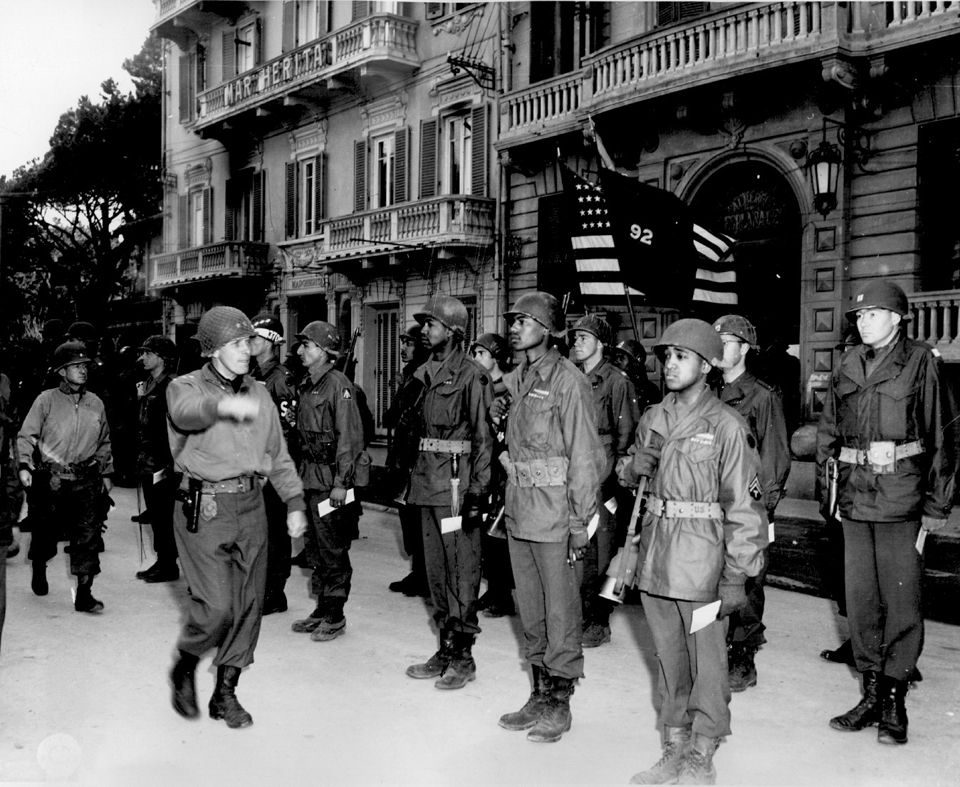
(544,102)
(233,258)
(936,320)
(169,8)
(904,13)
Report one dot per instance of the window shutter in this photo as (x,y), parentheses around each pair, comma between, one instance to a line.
(229,55)
(183,221)
(230,212)
(258,42)
(207,216)
(201,68)
(360,10)
(259,183)
(401,159)
(478,143)
(359,175)
(184,74)
(289,25)
(319,191)
(434,10)
(291,199)
(428,159)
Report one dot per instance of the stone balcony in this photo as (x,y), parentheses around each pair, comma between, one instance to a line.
(375,46)
(229,259)
(935,319)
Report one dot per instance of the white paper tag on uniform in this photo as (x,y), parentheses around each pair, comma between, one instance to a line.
(770,533)
(704,616)
(592,526)
(159,476)
(921,539)
(611,505)
(450,524)
(325,508)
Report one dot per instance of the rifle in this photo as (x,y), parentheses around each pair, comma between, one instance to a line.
(347,363)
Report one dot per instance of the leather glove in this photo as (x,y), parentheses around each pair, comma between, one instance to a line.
(472,512)
(578,543)
(930,524)
(733,598)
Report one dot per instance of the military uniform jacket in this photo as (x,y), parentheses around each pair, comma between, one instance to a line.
(759,405)
(454,407)
(707,456)
(66,428)
(904,399)
(551,416)
(210,448)
(330,429)
(614,411)
(403,418)
(154,451)
(280,384)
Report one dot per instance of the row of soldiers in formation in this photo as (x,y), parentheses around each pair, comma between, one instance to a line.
(541,456)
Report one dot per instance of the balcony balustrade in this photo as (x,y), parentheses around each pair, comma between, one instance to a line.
(936,320)
(215,260)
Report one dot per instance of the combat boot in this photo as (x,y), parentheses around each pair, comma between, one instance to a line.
(893,712)
(866,713)
(437,664)
(530,714)
(224,704)
(676,746)
(555,719)
(39,581)
(183,678)
(741,666)
(462,668)
(698,764)
(85,602)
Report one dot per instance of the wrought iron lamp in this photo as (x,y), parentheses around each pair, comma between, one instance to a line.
(823,163)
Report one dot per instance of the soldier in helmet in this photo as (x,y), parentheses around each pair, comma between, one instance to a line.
(448,486)
(760,405)
(630,356)
(65,458)
(554,462)
(616,413)
(887,421)
(703,534)
(226,440)
(331,442)
(266,367)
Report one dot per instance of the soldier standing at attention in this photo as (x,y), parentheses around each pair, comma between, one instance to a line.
(887,420)
(451,478)
(553,461)
(66,434)
(616,414)
(759,404)
(226,439)
(703,534)
(267,369)
(331,441)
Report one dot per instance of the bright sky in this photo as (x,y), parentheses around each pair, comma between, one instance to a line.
(51,53)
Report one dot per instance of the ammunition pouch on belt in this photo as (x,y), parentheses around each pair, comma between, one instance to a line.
(551,471)
(320,450)
(882,455)
(681,509)
(77,471)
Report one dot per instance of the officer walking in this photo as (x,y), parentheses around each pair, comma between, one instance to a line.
(226,439)
(448,487)
(554,462)
(154,460)
(888,422)
(331,440)
(703,534)
(759,404)
(616,414)
(64,454)
(267,369)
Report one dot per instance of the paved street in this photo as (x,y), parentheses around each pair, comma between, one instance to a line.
(88,695)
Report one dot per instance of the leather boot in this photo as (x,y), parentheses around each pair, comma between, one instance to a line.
(85,602)
(530,713)
(182,677)
(842,655)
(39,582)
(224,704)
(462,668)
(893,712)
(741,666)
(866,713)
(698,764)
(555,719)
(437,664)
(676,746)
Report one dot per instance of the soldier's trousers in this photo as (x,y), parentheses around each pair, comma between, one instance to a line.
(412,534)
(71,509)
(548,599)
(225,565)
(694,686)
(452,561)
(746,626)
(278,542)
(883,573)
(327,541)
(159,500)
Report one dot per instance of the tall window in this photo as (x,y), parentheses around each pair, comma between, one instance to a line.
(194,217)
(563,33)
(305,188)
(380,170)
(458,160)
(192,73)
(245,206)
(453,153)
(669,13)
(246,47)
(308,203)
(382,183)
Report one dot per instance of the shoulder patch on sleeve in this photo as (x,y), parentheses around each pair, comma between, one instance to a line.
(484,379)
(346,393)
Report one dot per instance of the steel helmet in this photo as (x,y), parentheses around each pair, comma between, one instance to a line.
(269,328)
(880,294)
(159,345)
(542,307)
(634,349)
(220,325)
(446,310)
(322,334)
(68,353)
(695,335)
(494,344)
(412,333)
(739,326)
(596,326)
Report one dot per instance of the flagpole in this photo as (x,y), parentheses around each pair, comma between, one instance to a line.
(633,317)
